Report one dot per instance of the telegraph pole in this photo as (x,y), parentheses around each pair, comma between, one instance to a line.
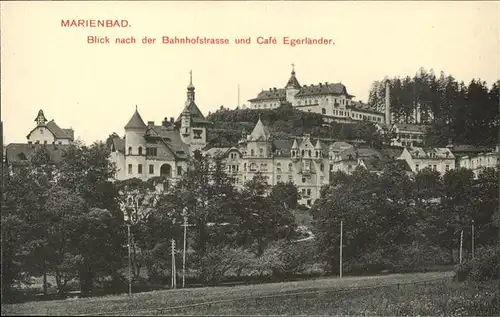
(174,279)
(473,239)
(341,233)
(461,244)
(184,253)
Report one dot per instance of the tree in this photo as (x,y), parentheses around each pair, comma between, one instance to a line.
(86,171)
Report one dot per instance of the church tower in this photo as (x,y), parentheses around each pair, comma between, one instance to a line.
(292,87)
(193,124)
(40,118)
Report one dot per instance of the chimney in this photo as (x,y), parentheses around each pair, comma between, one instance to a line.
(326,83)
(320,84)
(151,123)
(387,103)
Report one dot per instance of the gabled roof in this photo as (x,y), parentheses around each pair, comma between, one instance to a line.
(196,114)
(259,133)
(118,145)
(57,132)
(322,89)
(16,152)
(135,122)
(171,138)
(376,165)
(271,94)
(433,153)
(359,106)
(339,146)
(354,153)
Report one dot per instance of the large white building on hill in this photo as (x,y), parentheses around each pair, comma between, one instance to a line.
(329,99)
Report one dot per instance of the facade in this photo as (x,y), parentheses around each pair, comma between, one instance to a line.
(150,150)
(329,99)
(437,159)
(303,161)
(480,161)
(49,132)
(408,134)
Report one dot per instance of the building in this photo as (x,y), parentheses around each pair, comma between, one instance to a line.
(479,161)
(301,160)
(329,99)
(408,135)
(45,133)
(49,132)
(150,150)
(348,160)
(437,159)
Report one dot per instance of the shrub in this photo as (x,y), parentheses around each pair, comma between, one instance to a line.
(484,267)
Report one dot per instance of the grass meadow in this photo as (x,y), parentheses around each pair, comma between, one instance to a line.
(398,294)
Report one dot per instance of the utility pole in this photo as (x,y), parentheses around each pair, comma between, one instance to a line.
(174,278)
(184,253)
(473,239)
(461,244)
(341,233)
(129,262)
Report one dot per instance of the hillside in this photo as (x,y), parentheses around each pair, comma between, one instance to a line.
(284,123)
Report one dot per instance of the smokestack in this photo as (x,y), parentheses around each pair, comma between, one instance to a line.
(387,103)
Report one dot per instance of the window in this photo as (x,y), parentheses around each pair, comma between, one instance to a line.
(417,167)
(41,130)
(308,192)
(179,170)
(44,142)
(322,167)
(303,179)
(447,168)
(261,151)
(130,168)
(139,169)
(29,142)
(290,167)
(309,153)
(151,169)
(302,152)
(129,150)
(434,167)
(139,150)
(151,151)
(290,178)
(278,177)
(252,152)
(323,111)
(197,134)
(309,202)
(60,142)
(303,191)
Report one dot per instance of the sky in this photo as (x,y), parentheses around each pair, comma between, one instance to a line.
(95,88)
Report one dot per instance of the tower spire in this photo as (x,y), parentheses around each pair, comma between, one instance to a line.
(190,89)
(293,69)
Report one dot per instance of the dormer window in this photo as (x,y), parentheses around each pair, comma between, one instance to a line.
(309,153)
(129,150)
(293,153)
(302,152)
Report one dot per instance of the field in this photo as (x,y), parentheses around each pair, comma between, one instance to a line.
(398,294)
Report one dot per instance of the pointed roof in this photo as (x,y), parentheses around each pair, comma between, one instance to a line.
(190,86)
(293,82)
(40,114)
(295,144)
(260,132)
(318,146)
(195,113)
(136,121)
